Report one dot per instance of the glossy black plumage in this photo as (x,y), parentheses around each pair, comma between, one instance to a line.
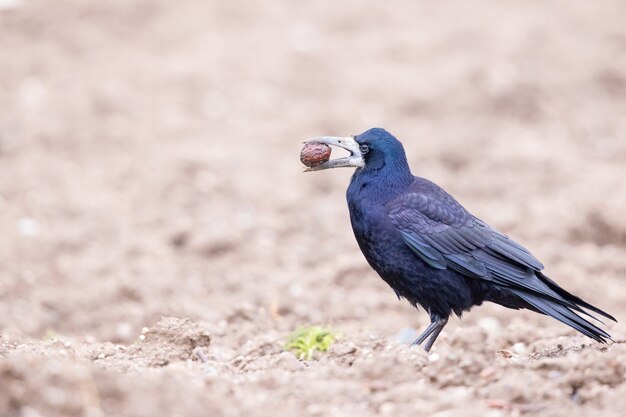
(437,255)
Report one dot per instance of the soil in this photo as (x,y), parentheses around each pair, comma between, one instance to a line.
(160,240)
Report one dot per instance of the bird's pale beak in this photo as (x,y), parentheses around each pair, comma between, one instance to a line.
(354,160)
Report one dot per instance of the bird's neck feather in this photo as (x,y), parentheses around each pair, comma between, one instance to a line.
(380,184)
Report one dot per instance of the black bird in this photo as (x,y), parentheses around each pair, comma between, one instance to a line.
(435,253)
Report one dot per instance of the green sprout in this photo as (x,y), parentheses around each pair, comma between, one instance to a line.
(51,335)
(306,340)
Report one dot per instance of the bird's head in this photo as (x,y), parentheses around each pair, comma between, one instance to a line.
(373,149)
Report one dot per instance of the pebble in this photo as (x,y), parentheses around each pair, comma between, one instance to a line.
(406,335)
(28,227)
(124,331)
(387,408)
(519,348)
(489,324)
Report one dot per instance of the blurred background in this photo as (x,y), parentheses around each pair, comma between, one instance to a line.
(149,167)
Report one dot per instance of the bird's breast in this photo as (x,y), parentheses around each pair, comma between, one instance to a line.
(377,237)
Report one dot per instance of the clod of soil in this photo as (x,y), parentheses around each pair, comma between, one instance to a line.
(314,154)
(172,339)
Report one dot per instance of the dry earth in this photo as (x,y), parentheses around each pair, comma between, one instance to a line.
(159,239)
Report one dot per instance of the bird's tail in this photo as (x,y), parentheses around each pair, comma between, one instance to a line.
(564,313)
(572,298)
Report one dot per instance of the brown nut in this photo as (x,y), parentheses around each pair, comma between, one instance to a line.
(314,154)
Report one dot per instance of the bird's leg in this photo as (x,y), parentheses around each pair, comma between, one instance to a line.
(427,332)
(441,323)
(435,327)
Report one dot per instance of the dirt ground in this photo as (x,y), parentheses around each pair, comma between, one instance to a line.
(159,239)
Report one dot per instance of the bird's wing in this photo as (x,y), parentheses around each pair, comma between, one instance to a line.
(445,235)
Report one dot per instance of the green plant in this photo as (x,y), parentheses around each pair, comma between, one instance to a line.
(304,341)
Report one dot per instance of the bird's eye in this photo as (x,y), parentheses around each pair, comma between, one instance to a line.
(364,149)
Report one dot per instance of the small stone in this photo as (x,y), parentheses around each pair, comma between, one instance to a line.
(489,324)
(124,331)
(519,348)
(387,408)
(28,227)
(406,335)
